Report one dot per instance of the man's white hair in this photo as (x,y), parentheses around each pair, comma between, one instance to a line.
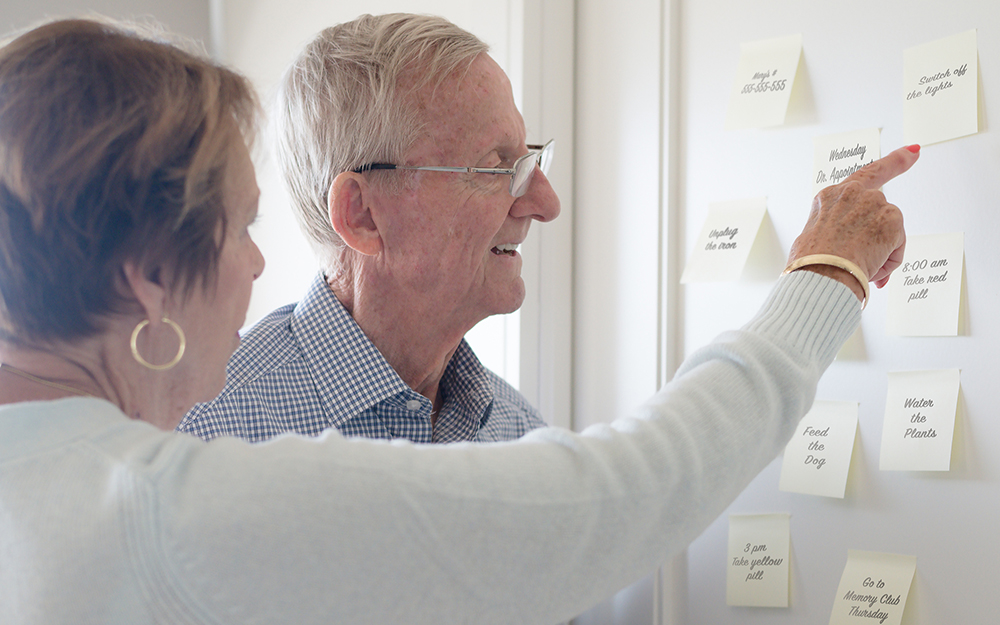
(341,106)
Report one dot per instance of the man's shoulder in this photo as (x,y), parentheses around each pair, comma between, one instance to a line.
(504,393)
(277,338)
(511,411)
(267,346)
(265,367)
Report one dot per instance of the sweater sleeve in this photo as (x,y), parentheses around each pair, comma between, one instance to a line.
(534,531)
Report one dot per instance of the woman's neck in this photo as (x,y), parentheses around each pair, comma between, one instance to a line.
(39,374)
(30,385)
(91,369)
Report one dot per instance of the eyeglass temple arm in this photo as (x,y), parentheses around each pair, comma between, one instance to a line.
(472,170)
(371,166)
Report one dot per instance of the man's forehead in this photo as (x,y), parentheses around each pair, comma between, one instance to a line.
(477,99)
(480,80)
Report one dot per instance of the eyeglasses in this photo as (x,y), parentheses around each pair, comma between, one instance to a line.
(520,174)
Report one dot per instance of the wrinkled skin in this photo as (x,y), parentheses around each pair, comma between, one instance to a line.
(855,221)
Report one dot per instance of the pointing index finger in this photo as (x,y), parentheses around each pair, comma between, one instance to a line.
(876,174)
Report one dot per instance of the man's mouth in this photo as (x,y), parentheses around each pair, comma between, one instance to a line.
(509,249)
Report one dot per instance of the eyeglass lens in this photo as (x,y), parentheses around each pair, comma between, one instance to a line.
(524,169)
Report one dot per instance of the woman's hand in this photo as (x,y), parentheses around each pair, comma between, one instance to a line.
(853,220)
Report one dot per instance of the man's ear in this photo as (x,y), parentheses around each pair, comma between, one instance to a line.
(350,214)
(148,290)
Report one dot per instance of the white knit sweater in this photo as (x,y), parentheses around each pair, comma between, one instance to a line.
(108,520)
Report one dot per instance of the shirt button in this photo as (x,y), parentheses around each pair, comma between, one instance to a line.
(413,405)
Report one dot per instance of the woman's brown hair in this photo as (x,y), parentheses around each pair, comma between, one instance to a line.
(113,147)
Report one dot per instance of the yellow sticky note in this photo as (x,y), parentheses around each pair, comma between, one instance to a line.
(925,293)
(818,457)
(919,423)
(873,588)
(757,571)
(763,84)
(836,157)
(941,89)
(721,250)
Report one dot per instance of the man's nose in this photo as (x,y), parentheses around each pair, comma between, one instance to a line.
(539,202)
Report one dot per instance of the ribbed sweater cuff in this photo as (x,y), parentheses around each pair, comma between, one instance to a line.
(812,313)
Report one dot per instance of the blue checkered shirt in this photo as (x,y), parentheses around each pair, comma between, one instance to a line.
(307,367)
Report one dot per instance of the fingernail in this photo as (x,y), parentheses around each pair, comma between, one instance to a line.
(913,148)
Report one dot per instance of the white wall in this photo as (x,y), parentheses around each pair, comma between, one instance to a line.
(618,207)
(853,61)
(186,17)
(619,185)
(852,79)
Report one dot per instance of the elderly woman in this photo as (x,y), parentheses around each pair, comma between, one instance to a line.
(126,191)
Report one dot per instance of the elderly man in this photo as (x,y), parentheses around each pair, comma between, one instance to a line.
(408,166)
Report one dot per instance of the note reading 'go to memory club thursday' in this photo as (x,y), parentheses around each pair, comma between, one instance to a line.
(873,588)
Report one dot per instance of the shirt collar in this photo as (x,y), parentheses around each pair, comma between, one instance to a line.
(467,385)
(341,356)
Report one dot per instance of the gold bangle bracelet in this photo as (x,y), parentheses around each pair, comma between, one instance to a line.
(833,261)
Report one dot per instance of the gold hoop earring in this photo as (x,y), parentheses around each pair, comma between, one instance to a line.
(142,361)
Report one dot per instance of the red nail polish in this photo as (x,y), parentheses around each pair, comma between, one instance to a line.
(913,148)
